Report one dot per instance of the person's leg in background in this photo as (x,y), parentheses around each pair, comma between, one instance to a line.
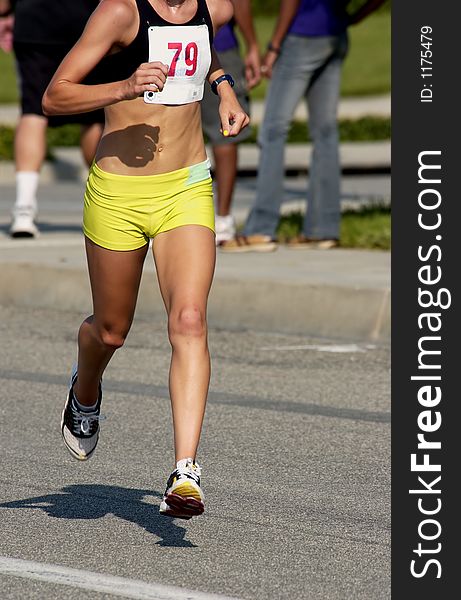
(29,153)
(322,219)
(36,64)
(225,150)
(225,166)
(89,140)
(288,85)
(33,68)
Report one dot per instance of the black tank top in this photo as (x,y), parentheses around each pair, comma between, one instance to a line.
(123,64)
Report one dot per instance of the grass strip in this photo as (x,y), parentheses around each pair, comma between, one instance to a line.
(366,228)
(365,129)
(359,130)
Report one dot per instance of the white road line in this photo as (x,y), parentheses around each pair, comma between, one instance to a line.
(98,582)
(335,348)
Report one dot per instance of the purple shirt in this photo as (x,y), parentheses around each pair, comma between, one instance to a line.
(320,17)
(225,39)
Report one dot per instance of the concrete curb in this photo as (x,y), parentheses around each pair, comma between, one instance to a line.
(315,310)
(312,308)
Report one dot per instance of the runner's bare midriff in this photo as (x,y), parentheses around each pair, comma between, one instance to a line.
(146,139)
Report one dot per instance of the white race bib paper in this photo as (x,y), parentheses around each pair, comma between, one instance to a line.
(186,50)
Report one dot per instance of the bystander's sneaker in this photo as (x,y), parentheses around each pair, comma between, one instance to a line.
(79,427)
(183,497)
(22,225)
(250,243)
(225,228)
(301,241)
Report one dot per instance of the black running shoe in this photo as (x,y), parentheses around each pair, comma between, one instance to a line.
(80,429)
(183,497)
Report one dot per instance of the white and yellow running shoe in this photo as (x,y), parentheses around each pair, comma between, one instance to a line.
(183,496)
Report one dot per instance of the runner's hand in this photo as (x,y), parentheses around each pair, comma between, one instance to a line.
(233,117)
(148,77)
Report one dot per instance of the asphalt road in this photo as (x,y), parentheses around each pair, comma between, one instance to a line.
(296,470)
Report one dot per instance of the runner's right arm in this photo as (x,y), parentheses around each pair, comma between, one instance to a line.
(112,25)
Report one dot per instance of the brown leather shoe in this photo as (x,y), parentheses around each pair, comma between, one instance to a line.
(301,241)
(249,243)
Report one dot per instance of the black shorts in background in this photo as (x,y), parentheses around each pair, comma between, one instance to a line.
(36,65)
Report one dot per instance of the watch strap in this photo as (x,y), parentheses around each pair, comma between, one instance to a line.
(216,82)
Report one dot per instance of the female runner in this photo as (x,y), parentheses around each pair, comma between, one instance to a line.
(150,179)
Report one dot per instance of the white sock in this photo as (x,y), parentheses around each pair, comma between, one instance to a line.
(26,189)
(83,407)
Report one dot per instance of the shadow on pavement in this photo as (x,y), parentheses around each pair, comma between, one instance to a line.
(97,501)
(59,227)
(49,227)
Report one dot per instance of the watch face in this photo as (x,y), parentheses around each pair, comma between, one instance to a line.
(227,78)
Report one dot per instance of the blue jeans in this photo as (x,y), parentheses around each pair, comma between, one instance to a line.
(309,67)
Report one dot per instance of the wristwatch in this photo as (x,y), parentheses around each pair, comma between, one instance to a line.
(272,48)
(216,82)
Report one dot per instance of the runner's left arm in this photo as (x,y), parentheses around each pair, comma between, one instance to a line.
(233,117)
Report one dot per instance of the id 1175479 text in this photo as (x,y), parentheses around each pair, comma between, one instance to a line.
(426,93)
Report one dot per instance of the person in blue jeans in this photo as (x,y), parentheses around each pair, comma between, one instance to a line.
(304,59)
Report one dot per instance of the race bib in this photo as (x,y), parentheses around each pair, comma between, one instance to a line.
(186,50)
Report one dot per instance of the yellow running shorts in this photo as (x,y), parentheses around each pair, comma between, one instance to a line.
(121,212)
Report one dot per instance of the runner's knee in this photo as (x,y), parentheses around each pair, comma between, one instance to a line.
(188,321)
(113,337)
